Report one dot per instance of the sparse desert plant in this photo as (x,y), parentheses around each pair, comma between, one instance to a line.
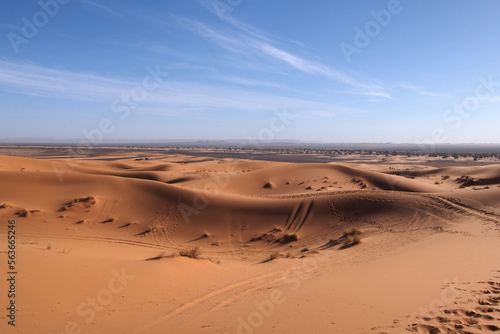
(352,240)
(352,236)
(26,213)
(49,245)
(162,255)
(268,185)
(205,235)
(269,237)
(272,256)
(352,231)
(22,213)
(5,206)
(445,177)
(289,237)
(192,252)
(89,200)
(465,181)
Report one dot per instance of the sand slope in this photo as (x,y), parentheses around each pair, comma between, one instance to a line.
(273,250)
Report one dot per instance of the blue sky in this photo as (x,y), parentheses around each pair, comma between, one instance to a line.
(348,71)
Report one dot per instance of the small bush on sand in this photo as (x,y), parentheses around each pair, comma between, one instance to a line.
(352,236)
(22,213)
(192,252)
(26,213)
(162,255)
(88,201)
(268,185)
(271,257)
(289,237)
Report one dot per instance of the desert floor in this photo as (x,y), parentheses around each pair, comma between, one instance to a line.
(99,237)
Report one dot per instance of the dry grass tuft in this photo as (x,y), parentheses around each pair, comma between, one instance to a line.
(25,213)
(269,185)
(271,257)
(289,237)
(162,255)
(88,201)
(192,252)
(352,237)
(5,206)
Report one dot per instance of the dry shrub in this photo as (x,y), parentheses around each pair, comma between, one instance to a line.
(271,257)
(352,236)
(268,185)
(192,252)
(162,255)
(89,200)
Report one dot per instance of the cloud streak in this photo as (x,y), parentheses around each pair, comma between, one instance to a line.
(101,7)
(171,97)
(247,40)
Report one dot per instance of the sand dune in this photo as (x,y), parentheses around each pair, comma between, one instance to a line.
(352,248)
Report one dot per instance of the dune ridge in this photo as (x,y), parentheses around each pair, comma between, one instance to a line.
(257,225)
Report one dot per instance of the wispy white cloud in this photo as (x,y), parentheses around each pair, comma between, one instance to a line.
(421,90)
(252,82)
(40,81)
(230,43)
(247,41)
(170,97)
(101,7)
(426,93)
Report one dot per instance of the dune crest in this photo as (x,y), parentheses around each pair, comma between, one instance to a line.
(220,238)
